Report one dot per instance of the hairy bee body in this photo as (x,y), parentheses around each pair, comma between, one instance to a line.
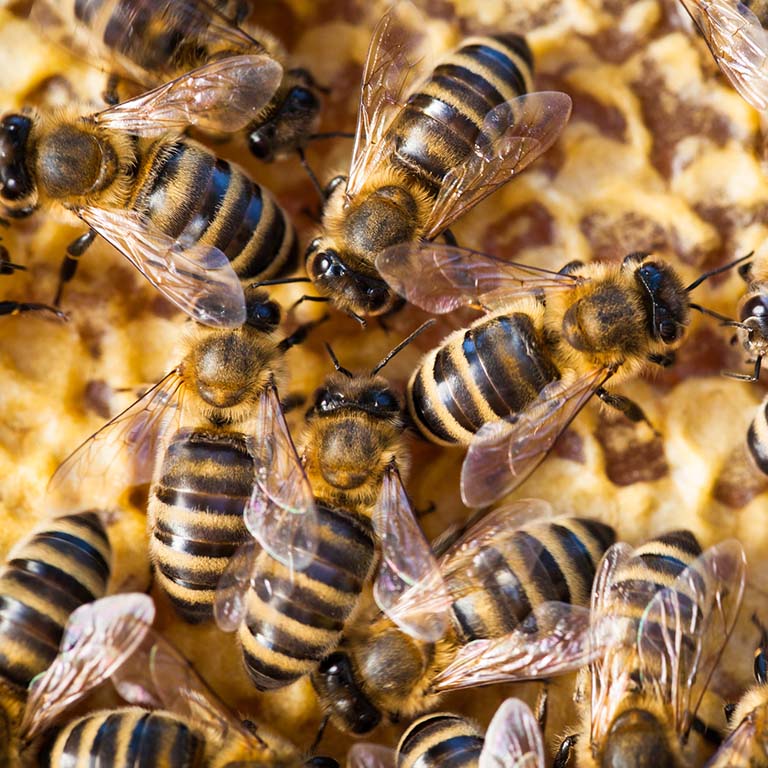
(441,741)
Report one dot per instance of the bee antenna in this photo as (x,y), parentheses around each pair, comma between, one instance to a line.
(279,281)
(712,272)
(724,320)
(404,343)
(336,364)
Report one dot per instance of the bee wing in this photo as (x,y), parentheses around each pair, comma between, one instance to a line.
(224,95)
(441,278)
(93,469)
(229,606)
(196,277)
(98,638)
(512,136)
(367,755)
(381,96)
(739,45)
(736,750)
(685,627)
(513,738)
(281,513)
(553,640)
(408,587)
(503,453)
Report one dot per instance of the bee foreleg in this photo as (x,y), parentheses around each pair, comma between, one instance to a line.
(628,407)
(69,266)
(563,755)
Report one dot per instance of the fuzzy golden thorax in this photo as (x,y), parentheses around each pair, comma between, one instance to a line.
(354,431)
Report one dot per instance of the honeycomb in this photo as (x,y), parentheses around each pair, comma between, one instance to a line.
(660,155)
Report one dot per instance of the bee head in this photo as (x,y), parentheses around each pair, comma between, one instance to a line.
(638,740)
(17,190)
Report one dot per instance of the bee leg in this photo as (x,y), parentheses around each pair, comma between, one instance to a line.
(69,266)
(301,333)
(754,376)
(291,401)
(110,94)
(319,737)
(540,709)
(663,360)
(563,756)
(628,407)
(707,732)
(571,266)
(18,307)
(728,711)
(745,272)
(449,237)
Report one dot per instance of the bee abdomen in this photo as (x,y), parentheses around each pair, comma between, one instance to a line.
(757,437)
(196,507)
(295,619)
(439,125)
(124,737)
(494,369)
(56,571)
(193,196)
(440,741)
(545,561)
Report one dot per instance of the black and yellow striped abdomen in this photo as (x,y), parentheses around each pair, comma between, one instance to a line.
(440,123)
(191,195)
(553,560)
(493,369)
(294,619)
(440,741)
(56,571)
(196,515)
(757,437)
(117,738)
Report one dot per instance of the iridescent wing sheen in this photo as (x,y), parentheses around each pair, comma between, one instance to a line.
(96,471)
(685,628)
(553,640)
(512,136)
(737,749)
(504,453)
(739,45)
(196,277)
(229,607)
(441,278)
(98,639)
(408,587)
(224,95)
(513,738)
(281,513)
(381,96)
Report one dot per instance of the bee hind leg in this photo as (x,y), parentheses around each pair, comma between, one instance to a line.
(69,266)
(628,407)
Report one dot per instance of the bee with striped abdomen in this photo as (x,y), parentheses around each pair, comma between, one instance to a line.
(516,611)
(289,605)
(45,578)
(418,165)
(208,434)
(153,42)
(190,222)
(508,385)
(661,614)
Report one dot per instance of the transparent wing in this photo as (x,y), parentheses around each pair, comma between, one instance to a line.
(739,45)
(408,587)
(381,96)
(503,453)
(685,628)
(224,95)
(366,755)
(736,750)
(98,638)
(553,640)
(196,277)
(281,513)
(441,278)
(513,135)
(229,606)
(513,738)
(95,470)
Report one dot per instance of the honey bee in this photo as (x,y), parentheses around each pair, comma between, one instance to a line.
(746,746)
(153,42)
(418,165)
(516,611)
(509,385)
(212,437)
(190,222)
(63,565)
(289,605)
(662,614)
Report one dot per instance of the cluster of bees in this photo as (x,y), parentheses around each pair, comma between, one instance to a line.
(304,544)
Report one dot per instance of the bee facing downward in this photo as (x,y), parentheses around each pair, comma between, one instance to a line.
(508,385)
(418,165)
(190,222)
